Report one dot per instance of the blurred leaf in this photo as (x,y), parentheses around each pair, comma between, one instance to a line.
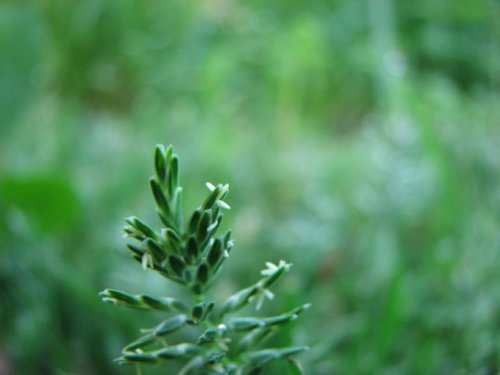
(49,202)
(294,367)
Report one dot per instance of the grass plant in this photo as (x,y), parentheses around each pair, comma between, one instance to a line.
(192,254)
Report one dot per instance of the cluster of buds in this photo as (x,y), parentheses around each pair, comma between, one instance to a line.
(192,254)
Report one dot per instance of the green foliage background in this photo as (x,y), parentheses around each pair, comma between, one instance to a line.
(360,139)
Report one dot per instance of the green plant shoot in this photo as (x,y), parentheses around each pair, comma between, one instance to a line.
(192,253)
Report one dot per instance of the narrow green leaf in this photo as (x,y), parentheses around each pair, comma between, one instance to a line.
(262,357)
(192,250)
(170,325)
(159,196)
(198,310)
(244,324)
(136,250)
(173,175)
(215,253)
(211,334)
(271,279)
(177,351)
(212,197)
(177,205)
(141,227)
(168,153)
(173,239)
(253,338)
(208,310)
(160,163)
(239,299)
(138,357)
(163,303)
(155,249)
(193,366)
(202,274)
(165,219)
(120,296)
(194,221)
(201,311)
(226,239)
(140,342)
(177,265)
(203,225)
(212,228)
(133,232)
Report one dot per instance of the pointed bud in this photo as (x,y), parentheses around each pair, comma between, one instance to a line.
(155,249)
(173,239)
(215,253)
(194,221)
(141,226)
(138,357)
(140,342)
(203,225)
(173,175)
(170,325)
(160,198)
(202,274)
(212,198)
(177,265)
(160,163)
(192,249)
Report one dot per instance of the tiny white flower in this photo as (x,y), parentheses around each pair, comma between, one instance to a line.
(268,294)
(212,226)
(223,204)
(261,295)
(210,186)
(147,260)
(226,254)
(272,268)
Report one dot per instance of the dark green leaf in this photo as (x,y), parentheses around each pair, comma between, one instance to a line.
(177,265)
(212,198)
(203,225)
(140,342)
(160,163)
(121,296)
(155,249)
(177,351)
(170,325)
(173,175)
(160,198)
(141,227)
(192,249)
(202,274)
(215,253)
(194,221)
(139,357)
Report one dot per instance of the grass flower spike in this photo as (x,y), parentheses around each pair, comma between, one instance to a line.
(192,253)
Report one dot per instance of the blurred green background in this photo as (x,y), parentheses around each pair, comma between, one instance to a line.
(361,140)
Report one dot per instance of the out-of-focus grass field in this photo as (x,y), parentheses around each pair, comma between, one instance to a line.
(361,140)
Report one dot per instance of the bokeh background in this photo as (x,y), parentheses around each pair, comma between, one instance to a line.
(361,140)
